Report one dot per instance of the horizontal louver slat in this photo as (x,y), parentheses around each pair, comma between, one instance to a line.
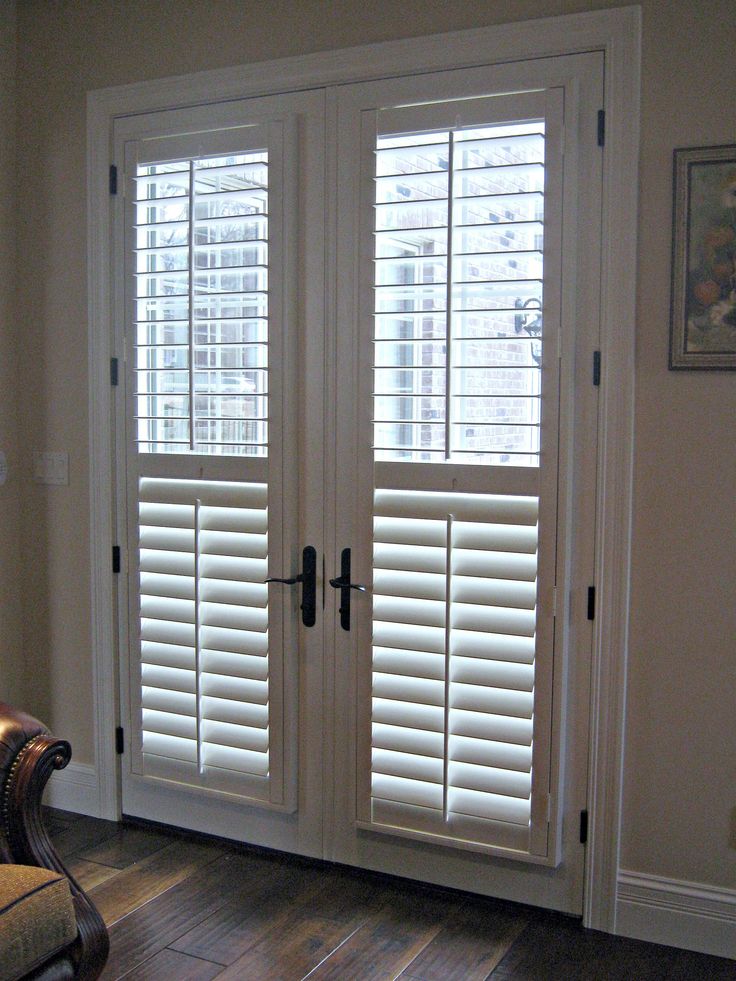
(469,776)
(407,765)
(405,791)
(497,508)
(495,807)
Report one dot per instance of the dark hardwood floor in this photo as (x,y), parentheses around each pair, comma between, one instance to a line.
(183,908)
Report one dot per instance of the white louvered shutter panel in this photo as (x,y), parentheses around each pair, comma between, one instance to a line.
(205,459)
(458,748)
(204,632)
(453,663)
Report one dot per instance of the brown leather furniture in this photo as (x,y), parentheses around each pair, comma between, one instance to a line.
(49,928)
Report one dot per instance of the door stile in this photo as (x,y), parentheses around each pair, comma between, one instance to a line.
(313,504)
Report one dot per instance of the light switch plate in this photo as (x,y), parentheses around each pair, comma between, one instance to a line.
(51,468)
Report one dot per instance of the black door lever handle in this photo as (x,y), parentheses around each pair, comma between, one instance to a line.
(308,578)
(342,582)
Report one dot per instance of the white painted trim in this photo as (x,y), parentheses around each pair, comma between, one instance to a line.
(677,913)
(546,37)
(615,466)
(102,523)
(75,788)
(617,33)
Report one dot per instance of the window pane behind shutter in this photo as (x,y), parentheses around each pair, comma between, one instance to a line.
(202,306)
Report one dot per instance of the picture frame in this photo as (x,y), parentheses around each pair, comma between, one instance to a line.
(703,307)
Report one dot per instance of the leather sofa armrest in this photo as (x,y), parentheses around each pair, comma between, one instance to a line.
(28,757)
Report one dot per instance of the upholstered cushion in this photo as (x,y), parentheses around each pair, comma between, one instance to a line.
(36,918)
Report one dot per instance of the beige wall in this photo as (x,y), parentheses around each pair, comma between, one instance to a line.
(11,662)
(680,779)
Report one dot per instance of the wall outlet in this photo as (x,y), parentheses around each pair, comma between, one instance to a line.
(51,468)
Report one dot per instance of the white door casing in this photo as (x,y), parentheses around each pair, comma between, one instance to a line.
(615,33)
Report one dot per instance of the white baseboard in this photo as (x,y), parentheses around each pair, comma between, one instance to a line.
(75,788)
(677,913)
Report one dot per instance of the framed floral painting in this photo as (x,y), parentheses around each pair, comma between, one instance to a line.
(703,319)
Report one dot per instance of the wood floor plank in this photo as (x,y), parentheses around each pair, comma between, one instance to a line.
(688,965)
(170,965)
(292,948)
(55,820)
(318,923)
(83,832)
(472,943)
(148,878)
(342,891)
(387,943)
(555,946)
(247,917)
(152,927)
(89,874)
(127,846)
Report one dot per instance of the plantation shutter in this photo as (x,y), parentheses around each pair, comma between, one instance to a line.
(204,632)
(207,226)
(453,663)
(466,214)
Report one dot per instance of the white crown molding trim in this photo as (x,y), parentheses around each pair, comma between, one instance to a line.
(545,37)
(617,33)
(75,788)
(677,913)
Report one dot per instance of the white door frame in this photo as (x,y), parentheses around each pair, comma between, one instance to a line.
(617,33)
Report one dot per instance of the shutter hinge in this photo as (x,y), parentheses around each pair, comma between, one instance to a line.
(119,740)
(601,127)
(583,827)
(591,602)
(113,371)
(596,367)
(113,179)
(116,558)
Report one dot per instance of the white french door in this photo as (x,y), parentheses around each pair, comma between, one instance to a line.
(467,312)
(220,735)
(356,356)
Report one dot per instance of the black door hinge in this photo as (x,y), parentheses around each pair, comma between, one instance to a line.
(116,558)
(113,371)
(596,367)
(119,740)
(601,127)
(113,179)
(591,602)
(583,827)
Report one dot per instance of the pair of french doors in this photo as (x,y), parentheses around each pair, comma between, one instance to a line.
(352,435)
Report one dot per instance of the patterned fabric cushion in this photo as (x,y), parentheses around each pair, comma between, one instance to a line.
(36,918)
